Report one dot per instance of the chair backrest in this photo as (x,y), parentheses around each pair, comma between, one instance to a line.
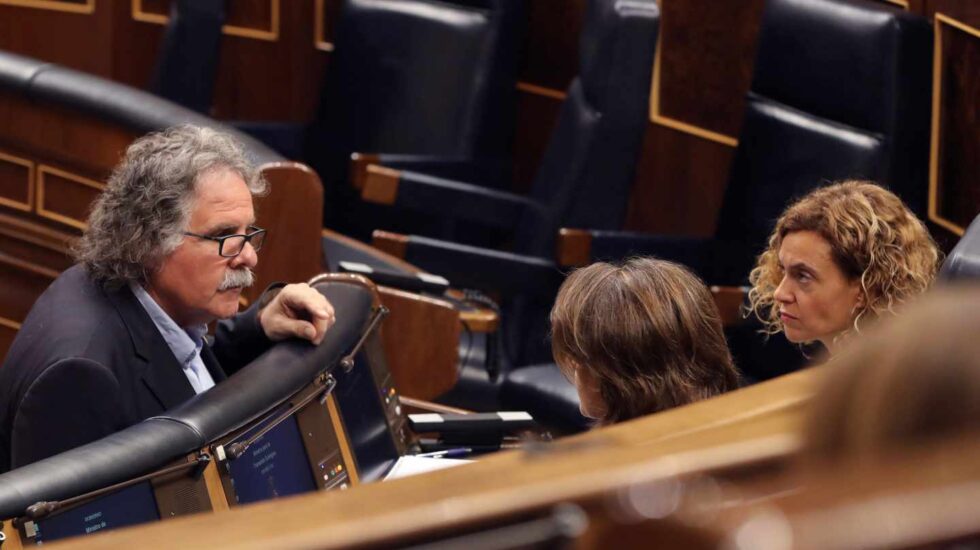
(589,165)
(963,262)
(188,60)
(840,91)
(420,77)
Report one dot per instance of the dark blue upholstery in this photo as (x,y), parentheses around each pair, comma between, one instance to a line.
(963,262)
(429,78)
(188,60)
(544,392)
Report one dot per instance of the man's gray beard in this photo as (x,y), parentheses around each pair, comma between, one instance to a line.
(237,278)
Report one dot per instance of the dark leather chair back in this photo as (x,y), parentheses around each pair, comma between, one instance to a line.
(589,165)
(840,91)
(963,262)
(188,60)
(420,77)
(588,168)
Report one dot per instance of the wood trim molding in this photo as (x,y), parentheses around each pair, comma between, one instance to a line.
(541,90)
(394,244)
(27,163)
(44,169)
(574,247)
(937,87)
(216,493)
(87,8)
(269,35)
(658,118)
(343,440)
(9,323)
(904,4)
(319,40)
(359,163)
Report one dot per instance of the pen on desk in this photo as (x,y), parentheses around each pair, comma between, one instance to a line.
(448,453)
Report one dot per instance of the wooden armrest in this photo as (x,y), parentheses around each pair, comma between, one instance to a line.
(412,405)
(380,184)
(393,244)
(359,163)
(574,247)
(729,300)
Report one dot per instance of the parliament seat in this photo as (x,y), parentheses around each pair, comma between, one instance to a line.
(425,82)
(584,178)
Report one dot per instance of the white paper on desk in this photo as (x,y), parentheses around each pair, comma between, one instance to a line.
(414,465)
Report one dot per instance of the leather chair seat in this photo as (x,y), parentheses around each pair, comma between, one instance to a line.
(543,391)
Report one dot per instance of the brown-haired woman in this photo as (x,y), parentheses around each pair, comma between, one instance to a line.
(638,338)
(911,381)
(838,258)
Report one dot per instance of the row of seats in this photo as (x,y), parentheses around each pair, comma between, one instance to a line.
(859,110)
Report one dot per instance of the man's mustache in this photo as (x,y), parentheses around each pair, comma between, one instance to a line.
(237,278)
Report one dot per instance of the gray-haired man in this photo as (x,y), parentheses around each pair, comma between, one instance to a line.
(120,336)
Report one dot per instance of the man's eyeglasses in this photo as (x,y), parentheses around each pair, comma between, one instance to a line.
(230,246)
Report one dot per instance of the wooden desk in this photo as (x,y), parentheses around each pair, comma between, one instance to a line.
(753,425)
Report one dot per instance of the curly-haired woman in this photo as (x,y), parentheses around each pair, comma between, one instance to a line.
(839,258)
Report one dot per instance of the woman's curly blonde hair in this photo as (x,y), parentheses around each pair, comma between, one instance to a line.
(874,238)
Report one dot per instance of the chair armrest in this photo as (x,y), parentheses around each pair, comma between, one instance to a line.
(577,247)
(443,197)
(474,267)
(729,300)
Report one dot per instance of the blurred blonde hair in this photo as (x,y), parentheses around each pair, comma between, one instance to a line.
(874,238)
(649,332)
(911,380)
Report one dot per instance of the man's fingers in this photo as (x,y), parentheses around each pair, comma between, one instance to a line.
(303,298)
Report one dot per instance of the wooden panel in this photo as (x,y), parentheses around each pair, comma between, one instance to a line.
(280,80)
(60,138)
(550,54)
(256,19)
(704,66)
(325,15)
(16,182)
(420,338)
(65,197)
(23,282)
(679,185)
(77,34)
(291,214)
(954,182)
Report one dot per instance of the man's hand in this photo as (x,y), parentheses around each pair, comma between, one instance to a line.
(297,311)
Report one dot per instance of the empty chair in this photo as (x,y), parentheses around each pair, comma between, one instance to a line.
(584,179)
(431,81)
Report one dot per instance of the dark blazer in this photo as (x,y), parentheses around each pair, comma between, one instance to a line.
(88,361)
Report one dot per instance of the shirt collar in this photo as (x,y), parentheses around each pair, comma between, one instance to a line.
(185,343)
